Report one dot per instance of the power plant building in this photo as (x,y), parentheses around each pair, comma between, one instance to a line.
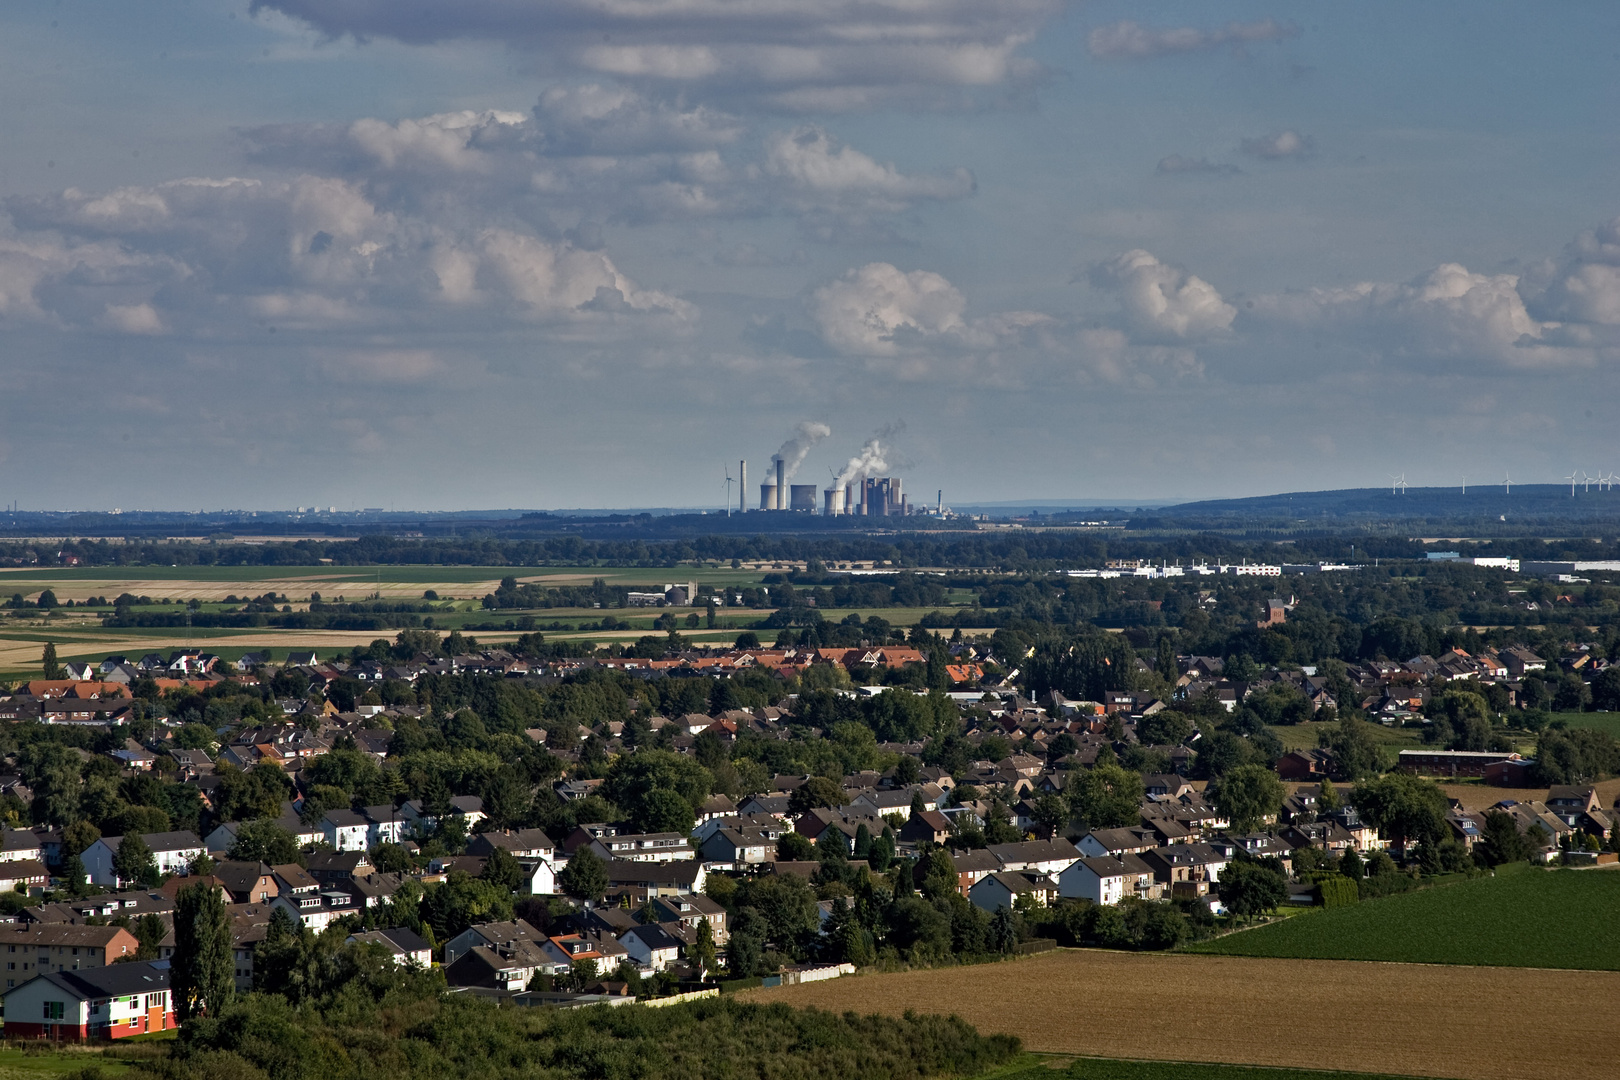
(872,496)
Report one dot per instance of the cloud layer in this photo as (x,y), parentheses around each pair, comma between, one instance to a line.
(1127,40)
(822,55)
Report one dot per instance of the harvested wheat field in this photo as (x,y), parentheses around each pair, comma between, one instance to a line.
(1470,1023)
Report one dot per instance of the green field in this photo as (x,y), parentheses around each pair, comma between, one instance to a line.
(1034,1068)
(1607,722)
(1304,736)
(1531,918)
(18,1064)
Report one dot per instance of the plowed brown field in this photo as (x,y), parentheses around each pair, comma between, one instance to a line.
(1471,1023)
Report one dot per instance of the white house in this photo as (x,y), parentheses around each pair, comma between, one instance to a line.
(539,878)
(1002,890)
(651,946)
(1102,879)
(346,830)
(97,1003)
(317,910)
(403,944)
(386,825)
(174,852)
(17,845)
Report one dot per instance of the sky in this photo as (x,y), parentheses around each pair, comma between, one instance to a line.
(570,253)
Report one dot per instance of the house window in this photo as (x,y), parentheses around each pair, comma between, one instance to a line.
(54,1010)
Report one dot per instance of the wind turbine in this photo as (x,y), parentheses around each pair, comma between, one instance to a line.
(1587,480)
(1397,482)
(1571,479)
(729,482)
(1507,483)
(1602,480)
(1465,484)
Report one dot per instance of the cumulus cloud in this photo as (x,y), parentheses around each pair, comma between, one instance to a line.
(807,55)
(1128,40)
(1279,146)
(1162,302)
(1583,284)
(870,311)
(312,253)
(815,172)
(1449,316)
(1177,164)
(601,153)
(132,319)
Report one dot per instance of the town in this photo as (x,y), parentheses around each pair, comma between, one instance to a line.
(659,824)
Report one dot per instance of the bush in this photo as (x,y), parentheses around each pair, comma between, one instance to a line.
(1386,885)
(1337,891)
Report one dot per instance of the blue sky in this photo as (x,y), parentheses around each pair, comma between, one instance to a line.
(584,252)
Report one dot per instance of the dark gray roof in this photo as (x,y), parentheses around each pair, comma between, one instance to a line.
(115,980)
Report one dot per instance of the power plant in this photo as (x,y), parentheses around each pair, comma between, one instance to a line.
(861,489)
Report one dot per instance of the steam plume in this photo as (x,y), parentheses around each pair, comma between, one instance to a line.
(793,452)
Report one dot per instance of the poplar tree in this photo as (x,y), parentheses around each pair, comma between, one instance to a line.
(202,973)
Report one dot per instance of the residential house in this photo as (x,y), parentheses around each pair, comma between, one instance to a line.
(404,945)
(1106,879)
(248,882)
(689,909)
(174,852)
(346,830)
(1049,857)
(738,847)
(651,946)
(100,1003)
(36,948)
(1004,888)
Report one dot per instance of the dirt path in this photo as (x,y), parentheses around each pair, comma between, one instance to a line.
(1470,1023)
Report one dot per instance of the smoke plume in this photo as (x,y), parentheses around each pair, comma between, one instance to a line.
(793,452)
(875,459)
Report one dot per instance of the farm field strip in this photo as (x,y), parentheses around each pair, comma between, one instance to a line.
(1530,918)
(1401,1019)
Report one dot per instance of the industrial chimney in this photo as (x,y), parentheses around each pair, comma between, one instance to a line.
(742,487)
(781,484)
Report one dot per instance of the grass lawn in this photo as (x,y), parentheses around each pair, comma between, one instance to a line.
(1535,918)
(1607,722)
(1043,1067)
(1303,736)
(23,1065)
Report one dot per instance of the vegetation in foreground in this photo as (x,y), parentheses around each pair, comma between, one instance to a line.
(1532,918)
(44,1063)
(1112,1069)
(374,1020)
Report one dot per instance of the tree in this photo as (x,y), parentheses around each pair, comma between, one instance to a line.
(816,793)
(1350,864)
(1355,752)
(1249,795)
(703,953)
(795,847)
(1051,813)
(135,862)
(1249,888)
(502,870)
(585,876)
(266,842)
(1403,807)
(634,782)
(202,972)
(1107,797)
(1502,842)
(663,810)
(53,670)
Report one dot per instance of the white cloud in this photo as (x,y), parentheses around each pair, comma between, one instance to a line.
(1163,302)
(133,319)
(1128,40)
(1279,146)
(311,254)
(602,153)
(1177,164)
(801,55)
(817,172)
(1450,316)
(1583,285)
(869,310)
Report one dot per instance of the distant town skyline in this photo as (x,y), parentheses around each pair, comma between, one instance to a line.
(560,253)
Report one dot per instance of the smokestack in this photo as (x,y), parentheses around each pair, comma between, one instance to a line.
(767,496)
(781,484)
(895,498)
(941,502)
(742,487)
